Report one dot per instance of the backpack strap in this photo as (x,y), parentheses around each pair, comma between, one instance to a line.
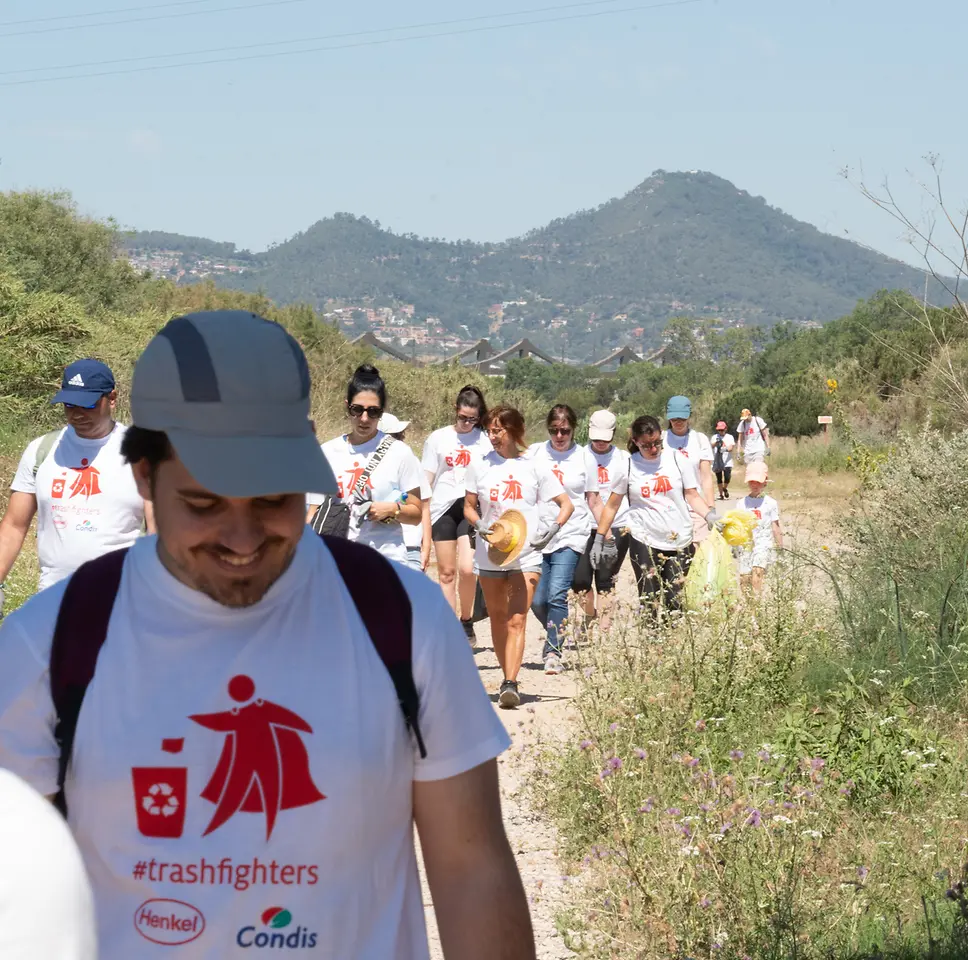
(82,626)
(47,443)
(388,619)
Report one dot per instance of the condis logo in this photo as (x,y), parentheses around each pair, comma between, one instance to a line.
(169,922)
(276,919)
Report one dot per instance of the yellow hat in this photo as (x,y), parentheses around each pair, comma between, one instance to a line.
(507,538)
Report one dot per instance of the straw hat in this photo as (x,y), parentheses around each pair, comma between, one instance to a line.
(508,537)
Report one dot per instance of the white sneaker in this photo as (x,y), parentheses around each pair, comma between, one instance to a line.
(553,665)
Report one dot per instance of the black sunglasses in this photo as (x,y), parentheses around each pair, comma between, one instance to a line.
(655,445)
(357,410)
(559,431)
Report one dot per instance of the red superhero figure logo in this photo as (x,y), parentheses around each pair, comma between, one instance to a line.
(353,477)
(86,482)
(512,489)
(602,475)
(264,766)
(556,470)
(661,485)
(462,458)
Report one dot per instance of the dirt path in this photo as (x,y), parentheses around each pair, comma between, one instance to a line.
(543,712)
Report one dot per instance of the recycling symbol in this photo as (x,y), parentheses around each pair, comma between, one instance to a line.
(160,800)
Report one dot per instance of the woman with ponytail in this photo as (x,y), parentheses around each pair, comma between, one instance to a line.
(447,454)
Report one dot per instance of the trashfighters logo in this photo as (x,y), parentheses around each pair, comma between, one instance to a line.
(263,768)
(275,920)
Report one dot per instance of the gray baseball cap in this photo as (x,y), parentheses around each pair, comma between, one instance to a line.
(231,391)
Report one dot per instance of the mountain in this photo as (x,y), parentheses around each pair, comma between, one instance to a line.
(678,243)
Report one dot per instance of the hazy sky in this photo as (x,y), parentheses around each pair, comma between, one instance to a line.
(484,134)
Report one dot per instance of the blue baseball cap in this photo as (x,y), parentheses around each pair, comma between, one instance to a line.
(678,408)
(84,383)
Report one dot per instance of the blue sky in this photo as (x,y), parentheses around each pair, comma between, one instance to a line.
(480,135)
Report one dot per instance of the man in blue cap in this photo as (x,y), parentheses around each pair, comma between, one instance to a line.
(696,448)
(76,482)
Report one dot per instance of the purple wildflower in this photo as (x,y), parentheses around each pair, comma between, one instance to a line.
(585,745)
(705,903)
(640,753)
(674,812)
(614,763)
(735,754)
(648,806)
(754,819)
(764,755)
(613,727)
(817,763)
(862,873)
(726,827)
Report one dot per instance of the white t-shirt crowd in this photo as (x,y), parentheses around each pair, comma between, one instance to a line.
(87,501)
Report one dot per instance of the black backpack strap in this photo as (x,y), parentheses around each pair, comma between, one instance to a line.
(384,607)
(82,626)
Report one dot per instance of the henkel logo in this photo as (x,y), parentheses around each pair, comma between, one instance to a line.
(169,922)
(275,919)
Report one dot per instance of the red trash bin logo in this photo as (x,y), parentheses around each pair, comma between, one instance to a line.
(159,797)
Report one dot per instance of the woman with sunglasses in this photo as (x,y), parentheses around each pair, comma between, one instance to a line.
(446,456)
(661,486)
(504,479)
(561,546)
(391,493)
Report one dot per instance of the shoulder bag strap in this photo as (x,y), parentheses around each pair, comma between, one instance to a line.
(389,622)
(359,490)
(82,626)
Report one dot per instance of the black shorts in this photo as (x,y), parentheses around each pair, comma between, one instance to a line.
(724,476)
(451,525)
(604,577)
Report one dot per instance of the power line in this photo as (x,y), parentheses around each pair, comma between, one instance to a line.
(332,36)
(348,46)
(100,13)
(160,16)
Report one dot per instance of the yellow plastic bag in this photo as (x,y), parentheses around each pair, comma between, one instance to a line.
(710,582)
(738,526)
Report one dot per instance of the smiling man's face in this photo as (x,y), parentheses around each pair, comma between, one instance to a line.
(232,549)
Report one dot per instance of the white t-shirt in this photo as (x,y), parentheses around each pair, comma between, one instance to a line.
(520,483)
(398,472)
(413,533)
(752,433)
(728,444)
(46,906)
(244,774)
(572,472)
(446,455)
(658,513)
(767,511)
(605,468)
(694,446)
(87,501)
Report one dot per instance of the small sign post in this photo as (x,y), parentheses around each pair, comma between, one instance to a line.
(827,423)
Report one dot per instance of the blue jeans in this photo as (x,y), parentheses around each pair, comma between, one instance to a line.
(550,604)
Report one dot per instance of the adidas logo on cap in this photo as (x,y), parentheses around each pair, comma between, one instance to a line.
(76,381)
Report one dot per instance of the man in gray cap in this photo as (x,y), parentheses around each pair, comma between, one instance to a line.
(240,774)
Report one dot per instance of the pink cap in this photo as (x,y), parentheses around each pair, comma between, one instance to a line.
(757,472)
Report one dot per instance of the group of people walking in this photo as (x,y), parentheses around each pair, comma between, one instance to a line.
(270,663)
(566,514)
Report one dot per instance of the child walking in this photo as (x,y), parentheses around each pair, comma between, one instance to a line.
(767,535)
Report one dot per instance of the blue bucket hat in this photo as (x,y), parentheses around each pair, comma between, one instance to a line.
(678,408)
(84,383)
